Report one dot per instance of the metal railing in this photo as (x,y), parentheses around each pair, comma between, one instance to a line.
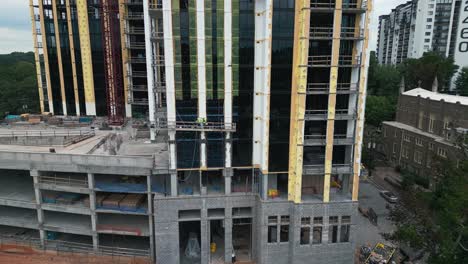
(138,101)
(321,32)
(351,32)
(320,60)
(139,88)
(347,87)
(62,181)
(349,60)
(46,133)
(134,15)
(134,2)
(135,45)
(137,74)
(135,30)
(196,126)
(155,4)
(158,60)
(322,4)
(318,87)
(316,112)
(137,60)
(157,35)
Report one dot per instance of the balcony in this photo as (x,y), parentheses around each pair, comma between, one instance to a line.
(322,5)
(354,7)
(324,88)
(352,33)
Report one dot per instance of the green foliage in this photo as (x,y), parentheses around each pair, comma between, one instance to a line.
(436,222)
(383,80)
(461,83)
(379,109)
(425,69)
(18,85)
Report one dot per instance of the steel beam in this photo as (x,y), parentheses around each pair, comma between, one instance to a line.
(46,57)
(298,98)
(36,56)
(361,103)
(332,99)
(86,56)
(73,58)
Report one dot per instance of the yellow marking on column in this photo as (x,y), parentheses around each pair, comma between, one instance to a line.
(332,100)
(298,99)
(123,43)
(86,56)
(73,58)
(36,56)
(361,98)
(46,58)
(59,58)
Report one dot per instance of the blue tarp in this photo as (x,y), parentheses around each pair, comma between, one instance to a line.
(121,187)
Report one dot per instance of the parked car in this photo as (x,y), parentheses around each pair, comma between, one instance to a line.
(389,196)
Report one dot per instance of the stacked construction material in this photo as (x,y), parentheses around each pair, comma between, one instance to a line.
(100,199)
(49,197)
(69,198)
(112,201)
(132,202)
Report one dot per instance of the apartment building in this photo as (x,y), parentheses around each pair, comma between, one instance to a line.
(428,125)
(255,113)
(420,26)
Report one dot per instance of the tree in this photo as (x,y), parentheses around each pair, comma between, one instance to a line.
(383,80)
(436,222)
(18,83)
(425,69)
(379,109)
(461,83)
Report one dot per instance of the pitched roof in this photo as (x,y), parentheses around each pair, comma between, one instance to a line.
(437,96)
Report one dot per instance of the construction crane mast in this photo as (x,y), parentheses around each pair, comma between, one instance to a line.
(111,42)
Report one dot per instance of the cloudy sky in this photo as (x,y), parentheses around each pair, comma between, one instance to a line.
(15,24)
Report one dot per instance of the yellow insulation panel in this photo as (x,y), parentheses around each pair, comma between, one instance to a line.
(36,56)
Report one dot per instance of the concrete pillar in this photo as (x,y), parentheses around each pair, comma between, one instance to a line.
(204,236)
(228,236)
(40,213)
(174,184)
(227,185)
(150,216)
(264,186)
(95,241)
(92,207)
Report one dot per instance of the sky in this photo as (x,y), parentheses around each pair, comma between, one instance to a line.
(15,24)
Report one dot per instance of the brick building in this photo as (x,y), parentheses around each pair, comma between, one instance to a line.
(427,125)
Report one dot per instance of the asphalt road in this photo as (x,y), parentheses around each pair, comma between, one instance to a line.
(367,233)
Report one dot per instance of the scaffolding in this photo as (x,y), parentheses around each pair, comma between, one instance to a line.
(112,61)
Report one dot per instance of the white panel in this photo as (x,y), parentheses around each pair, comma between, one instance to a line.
(149,69)
(263,32)
(227,62)
(169,61)
(201,58)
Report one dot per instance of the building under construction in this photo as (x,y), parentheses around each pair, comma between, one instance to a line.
(255,115)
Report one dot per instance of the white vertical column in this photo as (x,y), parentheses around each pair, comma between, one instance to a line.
(169,61)
(149,69)
(263,38)
(200,8)
(228,77)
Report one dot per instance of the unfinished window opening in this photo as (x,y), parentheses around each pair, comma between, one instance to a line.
(216,242)
(189,214)
(131,245)
(68,179)
(216,213)
(242,239)
(315,130)
(317,104)
(120,183)
(305,231)
(242,212)
(341,129)
(161,184)
(27,235)
(314,156)
(70,241)
(188,182)
(317,231)
(278,229)
(123,224)
(17,185)
(277,186)
(57,198)
(342,103)
(242,181)
(318,78)
(312,187)
(212,182)
(74,223)
(340,187)
(333,229)
(190,242)
(345,228)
